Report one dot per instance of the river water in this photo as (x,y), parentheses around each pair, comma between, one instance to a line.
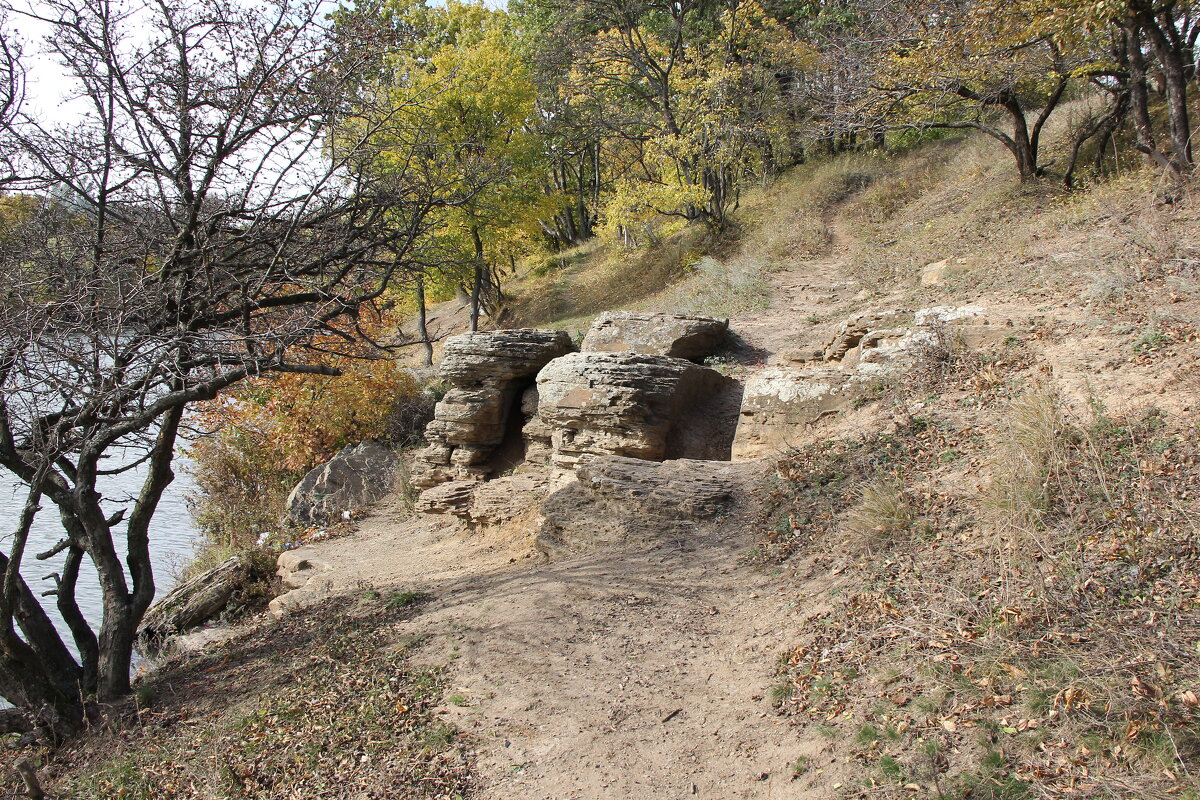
(173,537)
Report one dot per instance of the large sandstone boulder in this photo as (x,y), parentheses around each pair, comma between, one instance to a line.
(627,404)
(488,373)
(358,475)
(674,335)
(619,500)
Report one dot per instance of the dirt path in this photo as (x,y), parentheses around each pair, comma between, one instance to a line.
(615,674)
(803,298)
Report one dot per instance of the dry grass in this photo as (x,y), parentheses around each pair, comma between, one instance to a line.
(1029,454)
(883,512)
(325,703)
(567,290)
(717,288)
(1046,651)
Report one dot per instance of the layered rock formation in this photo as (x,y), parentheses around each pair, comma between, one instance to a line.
(674,335)
(602,419)
(780,402)
(487,373)
(626,404)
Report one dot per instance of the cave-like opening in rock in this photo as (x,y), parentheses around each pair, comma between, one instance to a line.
(510,453)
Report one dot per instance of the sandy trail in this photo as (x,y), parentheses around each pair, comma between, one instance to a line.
(615,674)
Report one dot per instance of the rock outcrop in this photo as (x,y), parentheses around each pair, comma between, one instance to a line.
(619,500)
(848,342)
(358,475)
(307,578)
(626,404)
(781,402)
(941,272)
(487,373)
(491,502)
(675,335)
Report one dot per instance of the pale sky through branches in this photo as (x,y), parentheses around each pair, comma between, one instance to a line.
(51,95)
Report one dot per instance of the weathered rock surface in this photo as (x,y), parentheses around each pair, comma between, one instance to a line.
(781,402)
(674,335)
(306,577)
(490,357)
(492,502)
(851,332)
(626,404)
(453,497)
(617,499)
(941,272)
(358,475)
(192,603)
(487,372)
(502,500)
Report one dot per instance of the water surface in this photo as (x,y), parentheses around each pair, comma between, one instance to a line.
(173,538)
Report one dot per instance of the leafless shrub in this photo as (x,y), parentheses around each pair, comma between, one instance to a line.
(213,215)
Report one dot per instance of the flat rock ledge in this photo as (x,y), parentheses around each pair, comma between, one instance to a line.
(619,500)
(782,403)
(674,335)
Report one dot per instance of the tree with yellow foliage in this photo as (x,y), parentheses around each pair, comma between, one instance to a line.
(986,65)
(690,94)
(475,115)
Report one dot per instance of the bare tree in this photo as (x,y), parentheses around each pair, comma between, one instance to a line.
(212,212)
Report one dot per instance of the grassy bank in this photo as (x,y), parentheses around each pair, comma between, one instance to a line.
(325,703)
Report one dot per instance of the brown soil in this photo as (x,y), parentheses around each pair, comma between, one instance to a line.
(612,674)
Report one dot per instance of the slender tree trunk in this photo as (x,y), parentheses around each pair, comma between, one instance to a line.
(1139,97)
(1102,128)
(1175,84)
(422,320)
(477,283)
(1022,146)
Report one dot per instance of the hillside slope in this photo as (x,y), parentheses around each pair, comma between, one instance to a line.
(979,580)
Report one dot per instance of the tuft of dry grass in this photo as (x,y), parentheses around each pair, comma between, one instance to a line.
(1031,451)
(883,511)
(718,288)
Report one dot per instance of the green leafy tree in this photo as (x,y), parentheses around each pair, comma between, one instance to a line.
(691,96)
(475,123)
(986,65)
